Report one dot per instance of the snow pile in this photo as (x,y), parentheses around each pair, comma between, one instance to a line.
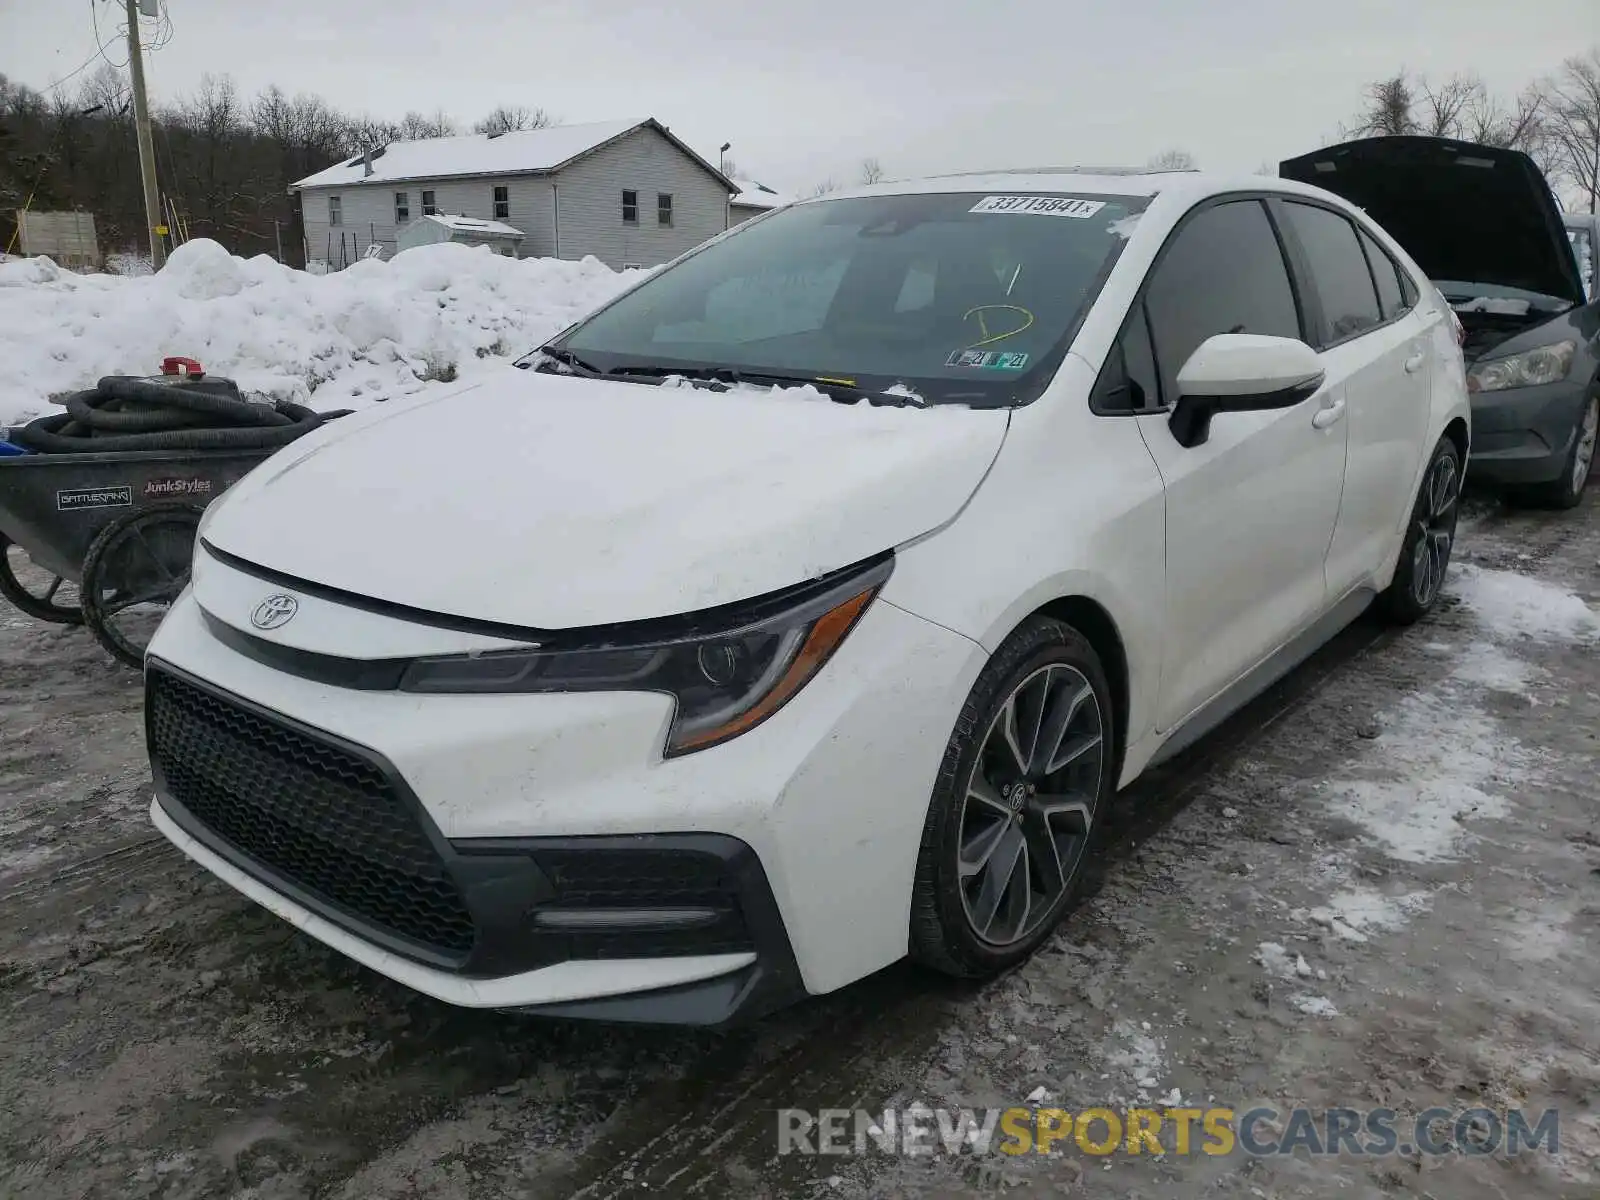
(374,331)
(1509,603)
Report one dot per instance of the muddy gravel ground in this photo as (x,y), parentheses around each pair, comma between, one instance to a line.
(1379,886)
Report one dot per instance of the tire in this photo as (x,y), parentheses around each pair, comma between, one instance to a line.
(1567,490)
(41,608)
(1038,669)
(162,536)
(1430,536)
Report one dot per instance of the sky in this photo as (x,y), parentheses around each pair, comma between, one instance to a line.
(806,92)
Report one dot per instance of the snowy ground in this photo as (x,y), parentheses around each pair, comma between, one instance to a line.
(1378,886)
(375,331)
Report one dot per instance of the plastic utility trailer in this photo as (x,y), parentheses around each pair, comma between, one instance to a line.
(104,500)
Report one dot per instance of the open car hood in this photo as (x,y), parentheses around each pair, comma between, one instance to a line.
(1479,214)
(553,502)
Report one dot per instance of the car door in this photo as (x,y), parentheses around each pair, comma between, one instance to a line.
(1379,350)
(1251,510)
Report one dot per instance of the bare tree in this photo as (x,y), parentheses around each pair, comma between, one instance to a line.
(509,118)
(1388,109)
(1173,160)
(371,133)
(1572,125)
(106,89)
(1443,108)
(1461,107)
(415,125)
(871,171)
(823,188)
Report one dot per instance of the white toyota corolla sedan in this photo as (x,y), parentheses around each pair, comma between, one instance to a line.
(805,607)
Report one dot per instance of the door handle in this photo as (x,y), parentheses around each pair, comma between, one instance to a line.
(1414,363)
(1327,416)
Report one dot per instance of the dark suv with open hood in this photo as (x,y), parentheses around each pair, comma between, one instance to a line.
(1484,225)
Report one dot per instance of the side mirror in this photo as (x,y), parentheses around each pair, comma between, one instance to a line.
(1241,372)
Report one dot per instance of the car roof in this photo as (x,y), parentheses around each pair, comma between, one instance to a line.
(1189,185)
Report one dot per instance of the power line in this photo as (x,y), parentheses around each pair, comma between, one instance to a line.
(73,73)
(94,17)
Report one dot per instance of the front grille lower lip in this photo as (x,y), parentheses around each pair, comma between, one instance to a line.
(329,824)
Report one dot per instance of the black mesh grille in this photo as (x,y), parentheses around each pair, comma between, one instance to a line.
(316,814)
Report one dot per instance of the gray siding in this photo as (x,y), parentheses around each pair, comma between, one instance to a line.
(645,162)
(369,211)
(589,195)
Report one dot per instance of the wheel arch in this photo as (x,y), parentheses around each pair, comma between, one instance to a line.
(1091,618)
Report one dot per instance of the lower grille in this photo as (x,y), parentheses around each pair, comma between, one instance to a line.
(641,879)
(320,816)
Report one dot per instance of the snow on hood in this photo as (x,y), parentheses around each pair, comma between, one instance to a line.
(1463,211)
(555,502)
(376,331)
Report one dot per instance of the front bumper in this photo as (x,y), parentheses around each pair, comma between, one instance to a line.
(805,829)
(1524,435)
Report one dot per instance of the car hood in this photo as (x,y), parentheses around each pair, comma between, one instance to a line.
(1466,212)
(553,502)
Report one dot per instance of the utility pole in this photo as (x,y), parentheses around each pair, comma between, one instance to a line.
(147,150)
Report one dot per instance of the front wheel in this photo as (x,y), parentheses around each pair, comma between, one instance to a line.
(1430,536)
(1026,777)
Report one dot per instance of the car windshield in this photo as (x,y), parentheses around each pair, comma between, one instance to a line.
(968,298)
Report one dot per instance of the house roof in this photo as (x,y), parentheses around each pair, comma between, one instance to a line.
(756,195)
(473,225)
(521,152)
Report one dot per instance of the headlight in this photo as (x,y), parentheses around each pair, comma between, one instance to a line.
(1542,364)
(728,670)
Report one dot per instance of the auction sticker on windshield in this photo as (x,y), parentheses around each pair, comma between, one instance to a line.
(1039,206)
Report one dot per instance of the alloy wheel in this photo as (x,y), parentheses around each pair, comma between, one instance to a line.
(1436,529)
(1583,456)
(1030,804)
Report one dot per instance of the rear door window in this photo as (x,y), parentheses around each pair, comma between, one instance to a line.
(1386,273)
(1223,273)
(1338,272)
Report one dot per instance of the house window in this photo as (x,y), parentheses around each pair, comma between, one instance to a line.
(335,210)
(502,204)
(630,207)
(402,207)
(429,208)
(664,208)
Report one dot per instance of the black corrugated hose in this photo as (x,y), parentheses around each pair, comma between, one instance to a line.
(126,412)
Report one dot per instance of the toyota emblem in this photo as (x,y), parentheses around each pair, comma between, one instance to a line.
(275,611)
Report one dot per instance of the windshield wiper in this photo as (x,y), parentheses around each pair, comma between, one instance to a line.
(571,361)
(838,390)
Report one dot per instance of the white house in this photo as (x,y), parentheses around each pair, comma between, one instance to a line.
(752,200)
(628,192)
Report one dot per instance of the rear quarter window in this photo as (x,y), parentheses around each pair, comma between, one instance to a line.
(1386,273)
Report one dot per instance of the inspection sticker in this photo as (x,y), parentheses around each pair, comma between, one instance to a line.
(1005,360)
(1039,206)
